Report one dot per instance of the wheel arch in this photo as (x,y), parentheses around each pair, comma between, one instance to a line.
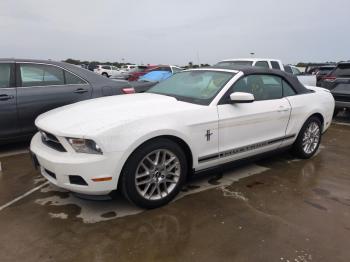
(177,139)
(320,117)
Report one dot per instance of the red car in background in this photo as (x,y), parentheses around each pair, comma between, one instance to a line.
(134,76)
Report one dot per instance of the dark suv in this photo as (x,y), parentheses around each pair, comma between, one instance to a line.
(322,72)
(338,82)
(31,87)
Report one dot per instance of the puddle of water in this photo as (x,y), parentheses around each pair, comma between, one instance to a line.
(91,211)
(39,180)
(232,194)
(300,256)
(98,211)
(58,215)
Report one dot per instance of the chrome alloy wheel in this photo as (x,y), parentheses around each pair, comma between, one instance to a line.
(311,137)
(157,174)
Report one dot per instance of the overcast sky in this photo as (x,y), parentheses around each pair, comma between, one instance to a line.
(175,32)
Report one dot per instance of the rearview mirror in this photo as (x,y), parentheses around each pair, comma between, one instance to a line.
(241,97)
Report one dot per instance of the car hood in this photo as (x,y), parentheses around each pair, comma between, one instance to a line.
(90,117)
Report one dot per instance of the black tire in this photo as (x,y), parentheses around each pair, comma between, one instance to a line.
(128,179)
(336,111)
(105,74)
(298,148)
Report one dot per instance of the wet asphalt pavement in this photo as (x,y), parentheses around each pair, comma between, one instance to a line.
(277,209)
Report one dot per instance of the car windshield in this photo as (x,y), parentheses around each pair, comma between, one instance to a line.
(198,86)
(236,63)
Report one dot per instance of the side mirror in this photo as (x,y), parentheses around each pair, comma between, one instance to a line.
(242,97)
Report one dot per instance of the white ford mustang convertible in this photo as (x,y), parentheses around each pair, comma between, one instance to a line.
(146,144)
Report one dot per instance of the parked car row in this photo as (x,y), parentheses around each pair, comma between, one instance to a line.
(145,145)
(309,80)
(184,121)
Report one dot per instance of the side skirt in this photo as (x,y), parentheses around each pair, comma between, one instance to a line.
(240,162)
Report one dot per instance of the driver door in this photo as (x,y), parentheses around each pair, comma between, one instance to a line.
(8,106)
(246,129)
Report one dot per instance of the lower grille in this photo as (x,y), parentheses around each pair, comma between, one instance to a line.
(77,180)
(51,174)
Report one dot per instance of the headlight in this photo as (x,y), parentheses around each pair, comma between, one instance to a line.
(87,146)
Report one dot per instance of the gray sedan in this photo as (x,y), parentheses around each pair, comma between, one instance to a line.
(31,87)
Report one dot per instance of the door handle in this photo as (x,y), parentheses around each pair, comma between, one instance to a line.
(80,91)
(282,109)
(6,97)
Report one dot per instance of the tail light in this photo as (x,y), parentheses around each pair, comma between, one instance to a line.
(329,78)
(128,90)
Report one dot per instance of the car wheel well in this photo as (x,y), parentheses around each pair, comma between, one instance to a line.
(184,146)
(320,117)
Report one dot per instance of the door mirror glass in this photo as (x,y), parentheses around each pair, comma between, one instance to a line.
(241,97)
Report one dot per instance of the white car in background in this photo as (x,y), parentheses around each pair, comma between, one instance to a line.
(128,67)
(146,144)
(126,70)
(107,70)
(309,80)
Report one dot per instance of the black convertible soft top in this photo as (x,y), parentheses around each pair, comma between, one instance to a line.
(251,70)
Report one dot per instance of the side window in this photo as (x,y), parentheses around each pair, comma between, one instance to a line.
(72,79)
(287,89)
(106,67)
(263,87)
(41,75)
(275,65)
(262,64)
(288,69)
(296,71)
(5,75)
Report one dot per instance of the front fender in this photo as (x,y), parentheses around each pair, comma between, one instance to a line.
(126,140)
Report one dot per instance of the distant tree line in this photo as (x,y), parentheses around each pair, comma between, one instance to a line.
(305,64)
(118,64)
(189,65)
(85,62)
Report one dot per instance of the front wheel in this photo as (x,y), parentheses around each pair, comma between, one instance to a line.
(154,173)
(309,138)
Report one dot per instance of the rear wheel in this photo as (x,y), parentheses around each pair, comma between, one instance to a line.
(105,74)
(309,138)
(154,173)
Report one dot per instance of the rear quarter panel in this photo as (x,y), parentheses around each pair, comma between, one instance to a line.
(305,105)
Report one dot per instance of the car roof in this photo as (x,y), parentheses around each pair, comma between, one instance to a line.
(84,73)
(328,66)
(249,59)
(344,63)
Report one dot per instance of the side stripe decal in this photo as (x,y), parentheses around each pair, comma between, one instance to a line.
(242,149)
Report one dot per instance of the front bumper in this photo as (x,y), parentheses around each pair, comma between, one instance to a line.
(57,167)
(342,104)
